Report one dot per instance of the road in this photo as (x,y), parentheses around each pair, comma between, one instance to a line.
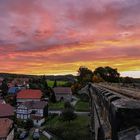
(76,112)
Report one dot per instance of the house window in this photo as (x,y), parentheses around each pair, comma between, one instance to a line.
(22,116)
(28,116)
(18,116)
(25,117)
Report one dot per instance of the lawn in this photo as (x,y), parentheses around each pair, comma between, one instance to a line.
(77,129)
(56,106)
(82,106)
(59,83)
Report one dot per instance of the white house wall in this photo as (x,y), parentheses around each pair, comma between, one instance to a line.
(38,122)
(26,100)
(11,135)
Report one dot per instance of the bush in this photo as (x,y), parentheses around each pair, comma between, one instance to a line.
(20,123)
(68,112)
(29,124)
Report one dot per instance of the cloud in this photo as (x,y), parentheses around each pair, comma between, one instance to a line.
(67,32)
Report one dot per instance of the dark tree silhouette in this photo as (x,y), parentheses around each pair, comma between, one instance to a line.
(55,84)
(84,75)
(68,112)
(52,96)
(29,124)
(108,74)
(4,87)
(45,111)
(44,82)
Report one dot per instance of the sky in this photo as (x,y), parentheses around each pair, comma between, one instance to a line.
(59,36)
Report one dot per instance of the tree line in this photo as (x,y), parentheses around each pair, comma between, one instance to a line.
(100,74)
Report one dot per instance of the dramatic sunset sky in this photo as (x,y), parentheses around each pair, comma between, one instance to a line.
(59,36)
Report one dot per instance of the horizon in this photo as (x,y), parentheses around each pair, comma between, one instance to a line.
(132,74)
(57,37)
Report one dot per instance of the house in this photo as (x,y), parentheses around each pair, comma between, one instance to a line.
(28,95)
(63,93)
(32,110)
(6,111)
(6,129)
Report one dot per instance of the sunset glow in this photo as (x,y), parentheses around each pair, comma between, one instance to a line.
(59,36)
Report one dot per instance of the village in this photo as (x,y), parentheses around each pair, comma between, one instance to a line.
(37,108)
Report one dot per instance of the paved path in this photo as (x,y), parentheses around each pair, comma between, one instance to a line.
(76,112)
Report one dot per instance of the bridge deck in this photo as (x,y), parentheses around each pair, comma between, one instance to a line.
(122,91)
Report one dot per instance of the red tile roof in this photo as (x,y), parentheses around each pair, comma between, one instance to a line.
(5,126)
(6,110)
(29,94)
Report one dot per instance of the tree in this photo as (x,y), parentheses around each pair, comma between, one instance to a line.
(38,83)
(76,87)
(29,124)
(68,115)
(112,74)
(68,112)
(101,71)
(127,80)
(107,73)
(4,87)
(68,105)
(55,84)
(84,75)
(52,96)
(44,82)
(45,111)
(97,79)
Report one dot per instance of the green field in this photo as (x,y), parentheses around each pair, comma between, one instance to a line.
(77,129)
(59,83)
(56,106)
(82,106)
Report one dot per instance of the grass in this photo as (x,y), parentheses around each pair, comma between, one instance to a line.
(56,106)
(82,106)
(43,138)
(76,129)
(59,83)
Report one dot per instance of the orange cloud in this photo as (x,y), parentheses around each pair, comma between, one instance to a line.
(57,37)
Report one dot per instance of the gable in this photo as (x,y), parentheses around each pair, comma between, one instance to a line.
(22,107)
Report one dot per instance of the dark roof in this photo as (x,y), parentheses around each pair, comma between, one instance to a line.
(29,94)
(62,90)
(6,110)
(5,126)
(13,90)
(35,104)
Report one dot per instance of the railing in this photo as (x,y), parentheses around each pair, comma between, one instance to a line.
(114,114)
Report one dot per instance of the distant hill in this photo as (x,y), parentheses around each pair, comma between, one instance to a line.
(61,77)
(11,75)
(136,80)
(49,77)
